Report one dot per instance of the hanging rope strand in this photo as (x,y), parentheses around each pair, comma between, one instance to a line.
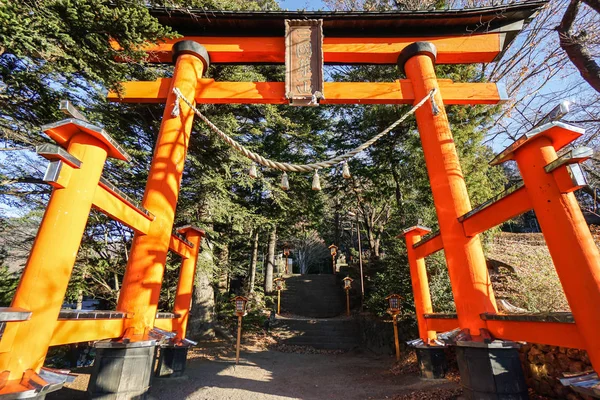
(286,167)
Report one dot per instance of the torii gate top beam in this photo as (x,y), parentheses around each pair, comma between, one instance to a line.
(505,22)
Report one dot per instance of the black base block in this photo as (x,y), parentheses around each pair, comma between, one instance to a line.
(491,371)
(432,362)
(171,361)
(122,370)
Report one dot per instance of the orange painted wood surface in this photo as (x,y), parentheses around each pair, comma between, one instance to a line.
(398,92)
(471,285)
(86,330)
(165,324)
(46,275)
(506,208)
(441,324)
(419,283)
(575,255)
(143,276)
(185,285)
(119,210)
(179,247)
(550,333)
(462,49)
(428,248)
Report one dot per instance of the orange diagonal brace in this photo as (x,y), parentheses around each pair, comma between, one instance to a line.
(498,212)
(399,92)
(431,246)
(179,247)
(451,50)
(122,211)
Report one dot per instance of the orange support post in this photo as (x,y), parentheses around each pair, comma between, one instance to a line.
(471,286)
(45,278)
(420,283)
(575,255)
(185,285)
(143,277)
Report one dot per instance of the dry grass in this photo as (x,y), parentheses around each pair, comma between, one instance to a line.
(532,283)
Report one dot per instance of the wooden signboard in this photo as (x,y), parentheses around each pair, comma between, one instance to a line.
(304,61)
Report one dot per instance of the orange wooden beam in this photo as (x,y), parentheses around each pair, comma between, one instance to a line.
(398,92)
(86,330)
(116,208)
(550,333)
(180,247)
(429,247)
(462,49)
(441,324)
(498,212)
(166,324)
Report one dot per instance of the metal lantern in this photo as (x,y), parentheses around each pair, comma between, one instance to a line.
(394,303)
(348,283)
(240,305)
(278,283)
(333,249)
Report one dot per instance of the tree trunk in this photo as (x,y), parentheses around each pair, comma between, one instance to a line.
(270,262)
(253,262)
(201,320)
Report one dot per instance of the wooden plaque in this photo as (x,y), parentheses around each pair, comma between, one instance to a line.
(304,61)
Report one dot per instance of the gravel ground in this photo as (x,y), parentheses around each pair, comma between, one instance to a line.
(269,374)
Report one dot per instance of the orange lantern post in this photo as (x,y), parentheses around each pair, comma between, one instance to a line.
(240,310)
(394,310)
(333,250)
(347,286)
(279,287)
(286,253)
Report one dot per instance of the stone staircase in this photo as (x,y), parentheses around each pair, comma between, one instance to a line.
(314,296)
(313,314)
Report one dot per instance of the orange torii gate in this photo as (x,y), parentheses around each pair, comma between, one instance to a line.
(35,320)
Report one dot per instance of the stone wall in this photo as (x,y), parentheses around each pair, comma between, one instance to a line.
(543,365)
(377,334)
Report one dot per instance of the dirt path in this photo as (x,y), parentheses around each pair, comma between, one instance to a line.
(274,375)
(263,374)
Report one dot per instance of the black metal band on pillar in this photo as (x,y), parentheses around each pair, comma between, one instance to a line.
(415,49)
(194,48)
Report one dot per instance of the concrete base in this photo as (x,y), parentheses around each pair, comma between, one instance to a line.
(171,361)
(491,371)
(432,362)
(122,370)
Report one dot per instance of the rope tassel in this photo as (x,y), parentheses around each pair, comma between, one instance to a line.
(252,171)
(285,184)
(176,109)
(316,183)
(346,171)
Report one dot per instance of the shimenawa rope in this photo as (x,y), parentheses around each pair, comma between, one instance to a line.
(287,167)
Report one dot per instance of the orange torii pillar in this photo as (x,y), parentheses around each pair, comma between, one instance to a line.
(420,283)
(143,277)
(431,359)
(46,275)
(173,355)
(571,245)
(185,285)
(469,277)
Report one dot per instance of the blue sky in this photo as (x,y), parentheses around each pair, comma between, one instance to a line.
(293,5)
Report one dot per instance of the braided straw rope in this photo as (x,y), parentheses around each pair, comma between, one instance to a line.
(300,167)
